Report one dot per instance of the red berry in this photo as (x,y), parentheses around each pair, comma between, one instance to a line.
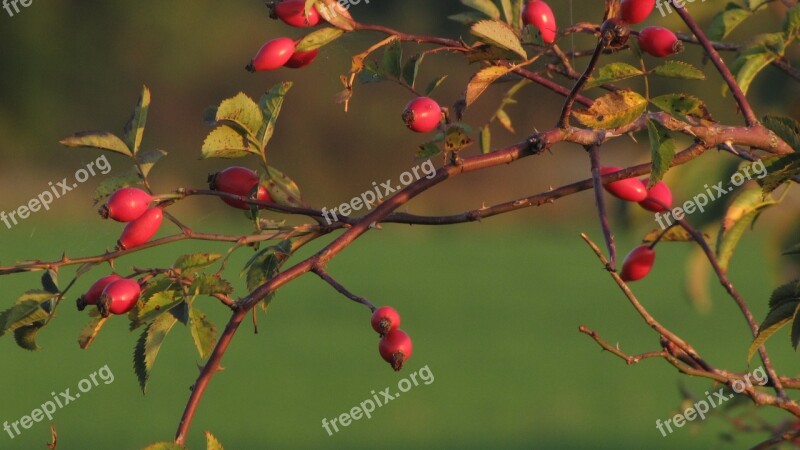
(630,189)
(93,294)
(385,319)
(659,41)
(659,193)
(119,297)
(422,115)
(272,55)
(635,11)
(539,14)
(302,59)
(637,263)
(292,12)
(126,204)
(142,229)
(238,180)
(395,348)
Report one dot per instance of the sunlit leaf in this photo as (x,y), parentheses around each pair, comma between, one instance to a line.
(498,34)
(613,110)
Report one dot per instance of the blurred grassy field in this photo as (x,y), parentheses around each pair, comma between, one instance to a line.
(494,315)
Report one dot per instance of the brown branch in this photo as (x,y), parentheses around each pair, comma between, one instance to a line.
(615,349)
(566,110)
(600,202)
(322,273)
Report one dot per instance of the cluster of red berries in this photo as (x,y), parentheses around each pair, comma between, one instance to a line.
(656,41)
(112,295)
(539,14)
(132,205)
(239,181)
(658,198)
(395,346)
(281,52)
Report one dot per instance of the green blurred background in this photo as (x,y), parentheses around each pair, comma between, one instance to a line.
(493,307)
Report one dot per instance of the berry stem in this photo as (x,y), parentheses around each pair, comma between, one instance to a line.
(594,157)
(322,273)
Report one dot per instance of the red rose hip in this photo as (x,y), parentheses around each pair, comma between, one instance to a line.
(302,59)
(635,11)
(126,204)
(272,55)
(292,12)
(638,263)
(385,319)
(119,297)
(396,348)
(630,189)
(539,14)
(656,196)
(240,181)
(659,41)
(93,294)
(422,115)
(142,229)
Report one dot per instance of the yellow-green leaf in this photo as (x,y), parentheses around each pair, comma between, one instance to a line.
(739,216)
(679,69)
(212,443)
(225,142)
(134,129)
(776,319)
(482,80)
(318,38)
(102,140)
(484,6)
(613,72)
(498,34)
(613,110)
(241,112)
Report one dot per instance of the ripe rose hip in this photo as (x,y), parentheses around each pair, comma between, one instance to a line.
(422,115)
(292,12)
(126,204)
(302,59)
(635,11)
(659,193)
(119,297)
(385,319)
(238,180)
(659,41)
(539,14)
(637,263)
(93,294)
(272,55)
(395,348)
(142,229)
(630,189)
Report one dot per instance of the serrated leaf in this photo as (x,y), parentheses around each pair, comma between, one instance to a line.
(241,113)
(134,129)
(212,443)
(498,34)
(226,142)
(148,346)
(482,80)
(679,69)
(264,265)
(613,72)
(725,21)
(102,140)
(786,128)
(25,336)
(110,185)
(674,234)
(662,150)
(787,293)
(271,104)
(334,13)
(204,333)
(776,319)
(486,7)
(152,307)
(282,189)
(164,446)
(681,106)
(50,281)
(613,110)
(411,69)
(739,216)
(391,62)
(207,284)
(489,53)
(148,159)
(434,84)
(780,169)
(427,150)
(318,38)
(456,139)
(28,309)
(195,262)
(91,330)
(486,139)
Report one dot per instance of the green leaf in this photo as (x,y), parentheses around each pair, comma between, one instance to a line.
(164,446)
(282,189)
(467,18)
(411,69)
(780,169)
(486,139)
(318,38)
(498,34)
(204,333)
(434,84)
(226,142)
(482,80)
(786,128)
(264,265)
(427,150)
(271,104)
(110,185)
(334,13)
(662,149)
(791,25)
(787,293)
(25,336)
(50,281)
(456,138)
(152,307)
(747,67)
(148,159)
(613,72)
(29,308)
(505,120)
(91,330)
(725,21)
(484,6)
(148,346)
(681,105)
(207,284)
(679,69)
(613,110)
(102,140)
(674,234)
(134,129)
(195,262)
(739,216)
(242,113)
(212,443)
(391,62)
(775,320)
